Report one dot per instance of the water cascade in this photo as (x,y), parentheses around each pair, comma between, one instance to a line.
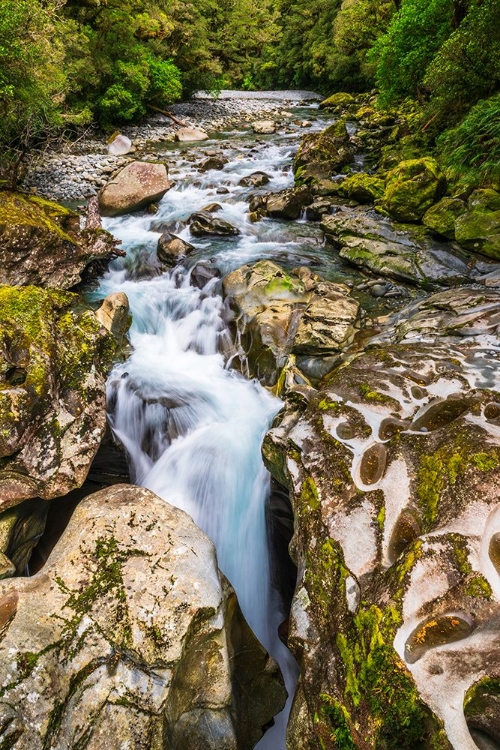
(192,426)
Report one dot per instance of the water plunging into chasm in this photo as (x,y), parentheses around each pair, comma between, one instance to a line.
(193,427)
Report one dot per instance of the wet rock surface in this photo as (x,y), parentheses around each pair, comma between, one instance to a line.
(54,362)
(392,466)
(111,662)
(134,187)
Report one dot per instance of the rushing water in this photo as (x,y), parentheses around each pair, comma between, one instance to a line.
(193,427)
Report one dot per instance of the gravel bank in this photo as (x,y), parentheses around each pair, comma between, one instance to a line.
(85,166)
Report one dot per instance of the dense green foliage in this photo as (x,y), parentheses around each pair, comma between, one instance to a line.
(71,62)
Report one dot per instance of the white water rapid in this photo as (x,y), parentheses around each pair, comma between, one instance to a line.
(192,427)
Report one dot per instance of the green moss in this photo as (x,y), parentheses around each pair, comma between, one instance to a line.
(370,395)
(478,587)
(381,517)
(326,405)
(337,717)
(30,211)
(309,498)
(485,461)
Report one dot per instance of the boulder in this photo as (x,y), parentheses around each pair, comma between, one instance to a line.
(478,228)
(264,127)
(203,273)
(340,100)
(171,249)
(441,217)
(280,314)
(41,243)
(185,135)
(287,204)
(130,637)
(412,187)
(120,145)
(392,469)
(362,187)
(204,224)
(134,187)
(374,244)
(54,360)
(256,179)
(321,155)
(114,314)
(213,162)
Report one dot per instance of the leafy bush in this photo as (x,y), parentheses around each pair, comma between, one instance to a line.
(471,151)
(415,34)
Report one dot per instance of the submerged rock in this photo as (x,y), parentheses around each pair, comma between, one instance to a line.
(54,360)
(134,187)
(256,179)
(41,243)
(129,636)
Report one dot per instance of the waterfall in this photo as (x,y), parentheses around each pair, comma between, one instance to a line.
(192,427)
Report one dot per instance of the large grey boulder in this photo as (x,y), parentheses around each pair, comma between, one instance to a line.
(392,468)
(130,637)
(41,242)
(134,187)
(54,360)
(279,314)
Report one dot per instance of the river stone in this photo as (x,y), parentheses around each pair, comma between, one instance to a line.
(213,162)
(130,637)
(134,187)
(321,155)
(362,187)
(264,127)
(171,249)
(186,135)
(278,314)
(55,357)
(412,187)
(287,204)
(441,217)
(373,243)
(203,273)
(416,539)
(41,243)
(256,179)
(114,314)
(120,145)
(479,230)
(340,100)
(204,224)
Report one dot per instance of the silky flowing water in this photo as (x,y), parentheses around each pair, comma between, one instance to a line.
(192,426)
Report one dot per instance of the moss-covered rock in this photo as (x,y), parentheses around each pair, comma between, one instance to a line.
(279,314)
(41,243)
(480,232)
(362,187)
(392,470)
(130,637)
(441,217)
(340,100)
(320,155)
(412,187)
(54,359)
(375,244)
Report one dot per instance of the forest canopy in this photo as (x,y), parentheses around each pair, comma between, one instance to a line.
(65,63)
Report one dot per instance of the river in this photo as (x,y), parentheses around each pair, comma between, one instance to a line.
(192,426)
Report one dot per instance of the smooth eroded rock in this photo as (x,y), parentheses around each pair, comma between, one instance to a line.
(186,135)
(130,637)
(134,187)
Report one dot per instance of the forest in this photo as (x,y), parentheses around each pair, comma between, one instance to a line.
(68,63)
